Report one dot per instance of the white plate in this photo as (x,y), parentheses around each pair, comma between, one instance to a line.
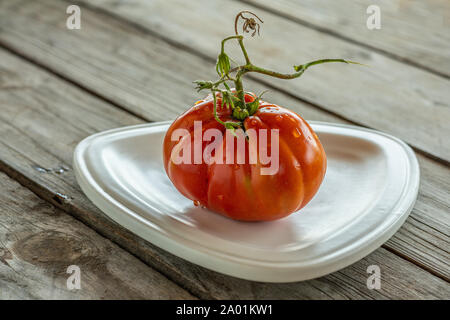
(370,187)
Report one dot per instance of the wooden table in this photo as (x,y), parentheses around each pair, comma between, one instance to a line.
(134,61)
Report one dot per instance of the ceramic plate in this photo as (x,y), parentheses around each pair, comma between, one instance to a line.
(370,187)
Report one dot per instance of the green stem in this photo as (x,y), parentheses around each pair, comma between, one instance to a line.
(244,51)
(215,109)
(240,88)
(240,40)
(228,124)
(229,38)
(300,69)
(252,68)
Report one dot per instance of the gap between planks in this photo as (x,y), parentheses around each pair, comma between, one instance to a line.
(416,262)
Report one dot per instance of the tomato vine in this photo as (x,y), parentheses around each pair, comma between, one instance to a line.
(234,99)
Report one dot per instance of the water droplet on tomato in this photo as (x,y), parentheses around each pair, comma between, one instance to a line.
(253,122)
(279,118)
(196,203)
(296,133)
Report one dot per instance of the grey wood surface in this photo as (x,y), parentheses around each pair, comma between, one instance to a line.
(125,69)
(426,24)
(38,242)
(152,59)
(70,115)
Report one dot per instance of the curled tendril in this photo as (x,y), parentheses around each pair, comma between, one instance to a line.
(249,23)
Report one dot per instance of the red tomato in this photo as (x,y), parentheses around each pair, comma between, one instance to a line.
(241,191)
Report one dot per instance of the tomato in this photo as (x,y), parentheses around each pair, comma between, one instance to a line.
(239,190)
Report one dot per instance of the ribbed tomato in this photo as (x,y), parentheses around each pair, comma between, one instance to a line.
(239,190)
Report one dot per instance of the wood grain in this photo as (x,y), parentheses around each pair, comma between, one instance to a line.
(133,76)
(389,95)
(44,117)
(38,242)
(412,31)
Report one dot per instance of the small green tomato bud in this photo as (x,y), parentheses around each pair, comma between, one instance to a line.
(223,64)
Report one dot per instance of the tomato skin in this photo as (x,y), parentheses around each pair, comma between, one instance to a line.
(240,191)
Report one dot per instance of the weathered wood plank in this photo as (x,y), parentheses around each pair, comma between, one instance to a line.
(413,31)
(391,96)
(41,121)
(38,242)
(146,93)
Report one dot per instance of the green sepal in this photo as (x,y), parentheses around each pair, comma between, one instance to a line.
(240,114)
(201,85)
(228,99)
(253,106)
